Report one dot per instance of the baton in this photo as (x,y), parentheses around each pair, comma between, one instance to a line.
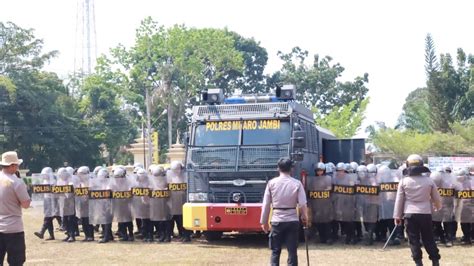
(305,229)
(390,237)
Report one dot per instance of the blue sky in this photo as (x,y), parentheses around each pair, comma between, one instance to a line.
(382,38)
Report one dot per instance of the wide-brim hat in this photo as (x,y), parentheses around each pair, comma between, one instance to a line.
(9,158)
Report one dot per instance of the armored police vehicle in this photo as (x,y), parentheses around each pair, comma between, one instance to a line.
(232,150)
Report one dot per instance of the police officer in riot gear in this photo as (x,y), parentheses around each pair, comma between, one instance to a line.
(465,203)
(344,201)
(415,195)
(319,202)
(443,218)
(49,208)
(177,183)
(367,201)
(388,190)
(100,204)
(81,189)
(160,205)
(141,204)
(121,204)
(65,191)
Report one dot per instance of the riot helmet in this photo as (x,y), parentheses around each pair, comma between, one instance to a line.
(362,171)
(354,165)
(141,175)
(340,167)
(371,168)
(320,167)
(414,160)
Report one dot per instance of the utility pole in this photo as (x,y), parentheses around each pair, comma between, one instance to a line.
(148,126)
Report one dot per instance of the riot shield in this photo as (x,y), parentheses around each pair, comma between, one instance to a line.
(100,201)
(160,203)
(64,189)
(388,192)
(121,199)
(81,192)
(177,184)
(319,198)
(367,198)
(141,197)
(344,197)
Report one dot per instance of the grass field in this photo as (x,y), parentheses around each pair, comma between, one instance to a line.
(242,250)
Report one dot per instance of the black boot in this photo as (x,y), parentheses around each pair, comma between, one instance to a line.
(72,238)
(40,234)
(419,262)
(370,241)
(435,262)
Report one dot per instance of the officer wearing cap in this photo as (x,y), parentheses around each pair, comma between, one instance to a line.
(13,197)
(285,194)
(415,196)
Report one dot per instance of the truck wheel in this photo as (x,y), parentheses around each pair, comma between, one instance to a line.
(212,235)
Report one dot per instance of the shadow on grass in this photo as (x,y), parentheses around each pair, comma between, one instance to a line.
(251,241)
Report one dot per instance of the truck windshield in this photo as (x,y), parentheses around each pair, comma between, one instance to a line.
(254,132)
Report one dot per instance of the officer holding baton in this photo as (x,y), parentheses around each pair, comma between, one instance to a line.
(415,196)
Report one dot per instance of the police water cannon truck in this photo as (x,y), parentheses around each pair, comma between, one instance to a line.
(233,145)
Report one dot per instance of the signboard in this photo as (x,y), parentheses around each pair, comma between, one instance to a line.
(454,162)
(245,125)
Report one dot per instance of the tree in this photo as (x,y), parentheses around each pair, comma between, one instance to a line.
(38,116)
(175,64)
(403,143)
(465,130)
(251,79)
(317,84)
(104,110)
(416,112)
(449,88)
(343,121)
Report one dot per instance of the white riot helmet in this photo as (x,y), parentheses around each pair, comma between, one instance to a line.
(141,174)
(414,160)
(447,168)
(176,165)
(470,169)
(102,173)
(384,172)
(330,167)
(461,175)
(436,177)
(354,165)
(70,170)
(84,170)
(119,172)
(138,165)
(158,171)
(340,167)
(320,166)
(63,173)
(47,170)
(362,171)
(349,168)
(96,170)
(371,168)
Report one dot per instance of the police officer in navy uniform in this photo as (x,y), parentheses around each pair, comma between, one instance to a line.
(415,196)
(284,193)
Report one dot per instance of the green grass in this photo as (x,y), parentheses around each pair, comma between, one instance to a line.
(232,250)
